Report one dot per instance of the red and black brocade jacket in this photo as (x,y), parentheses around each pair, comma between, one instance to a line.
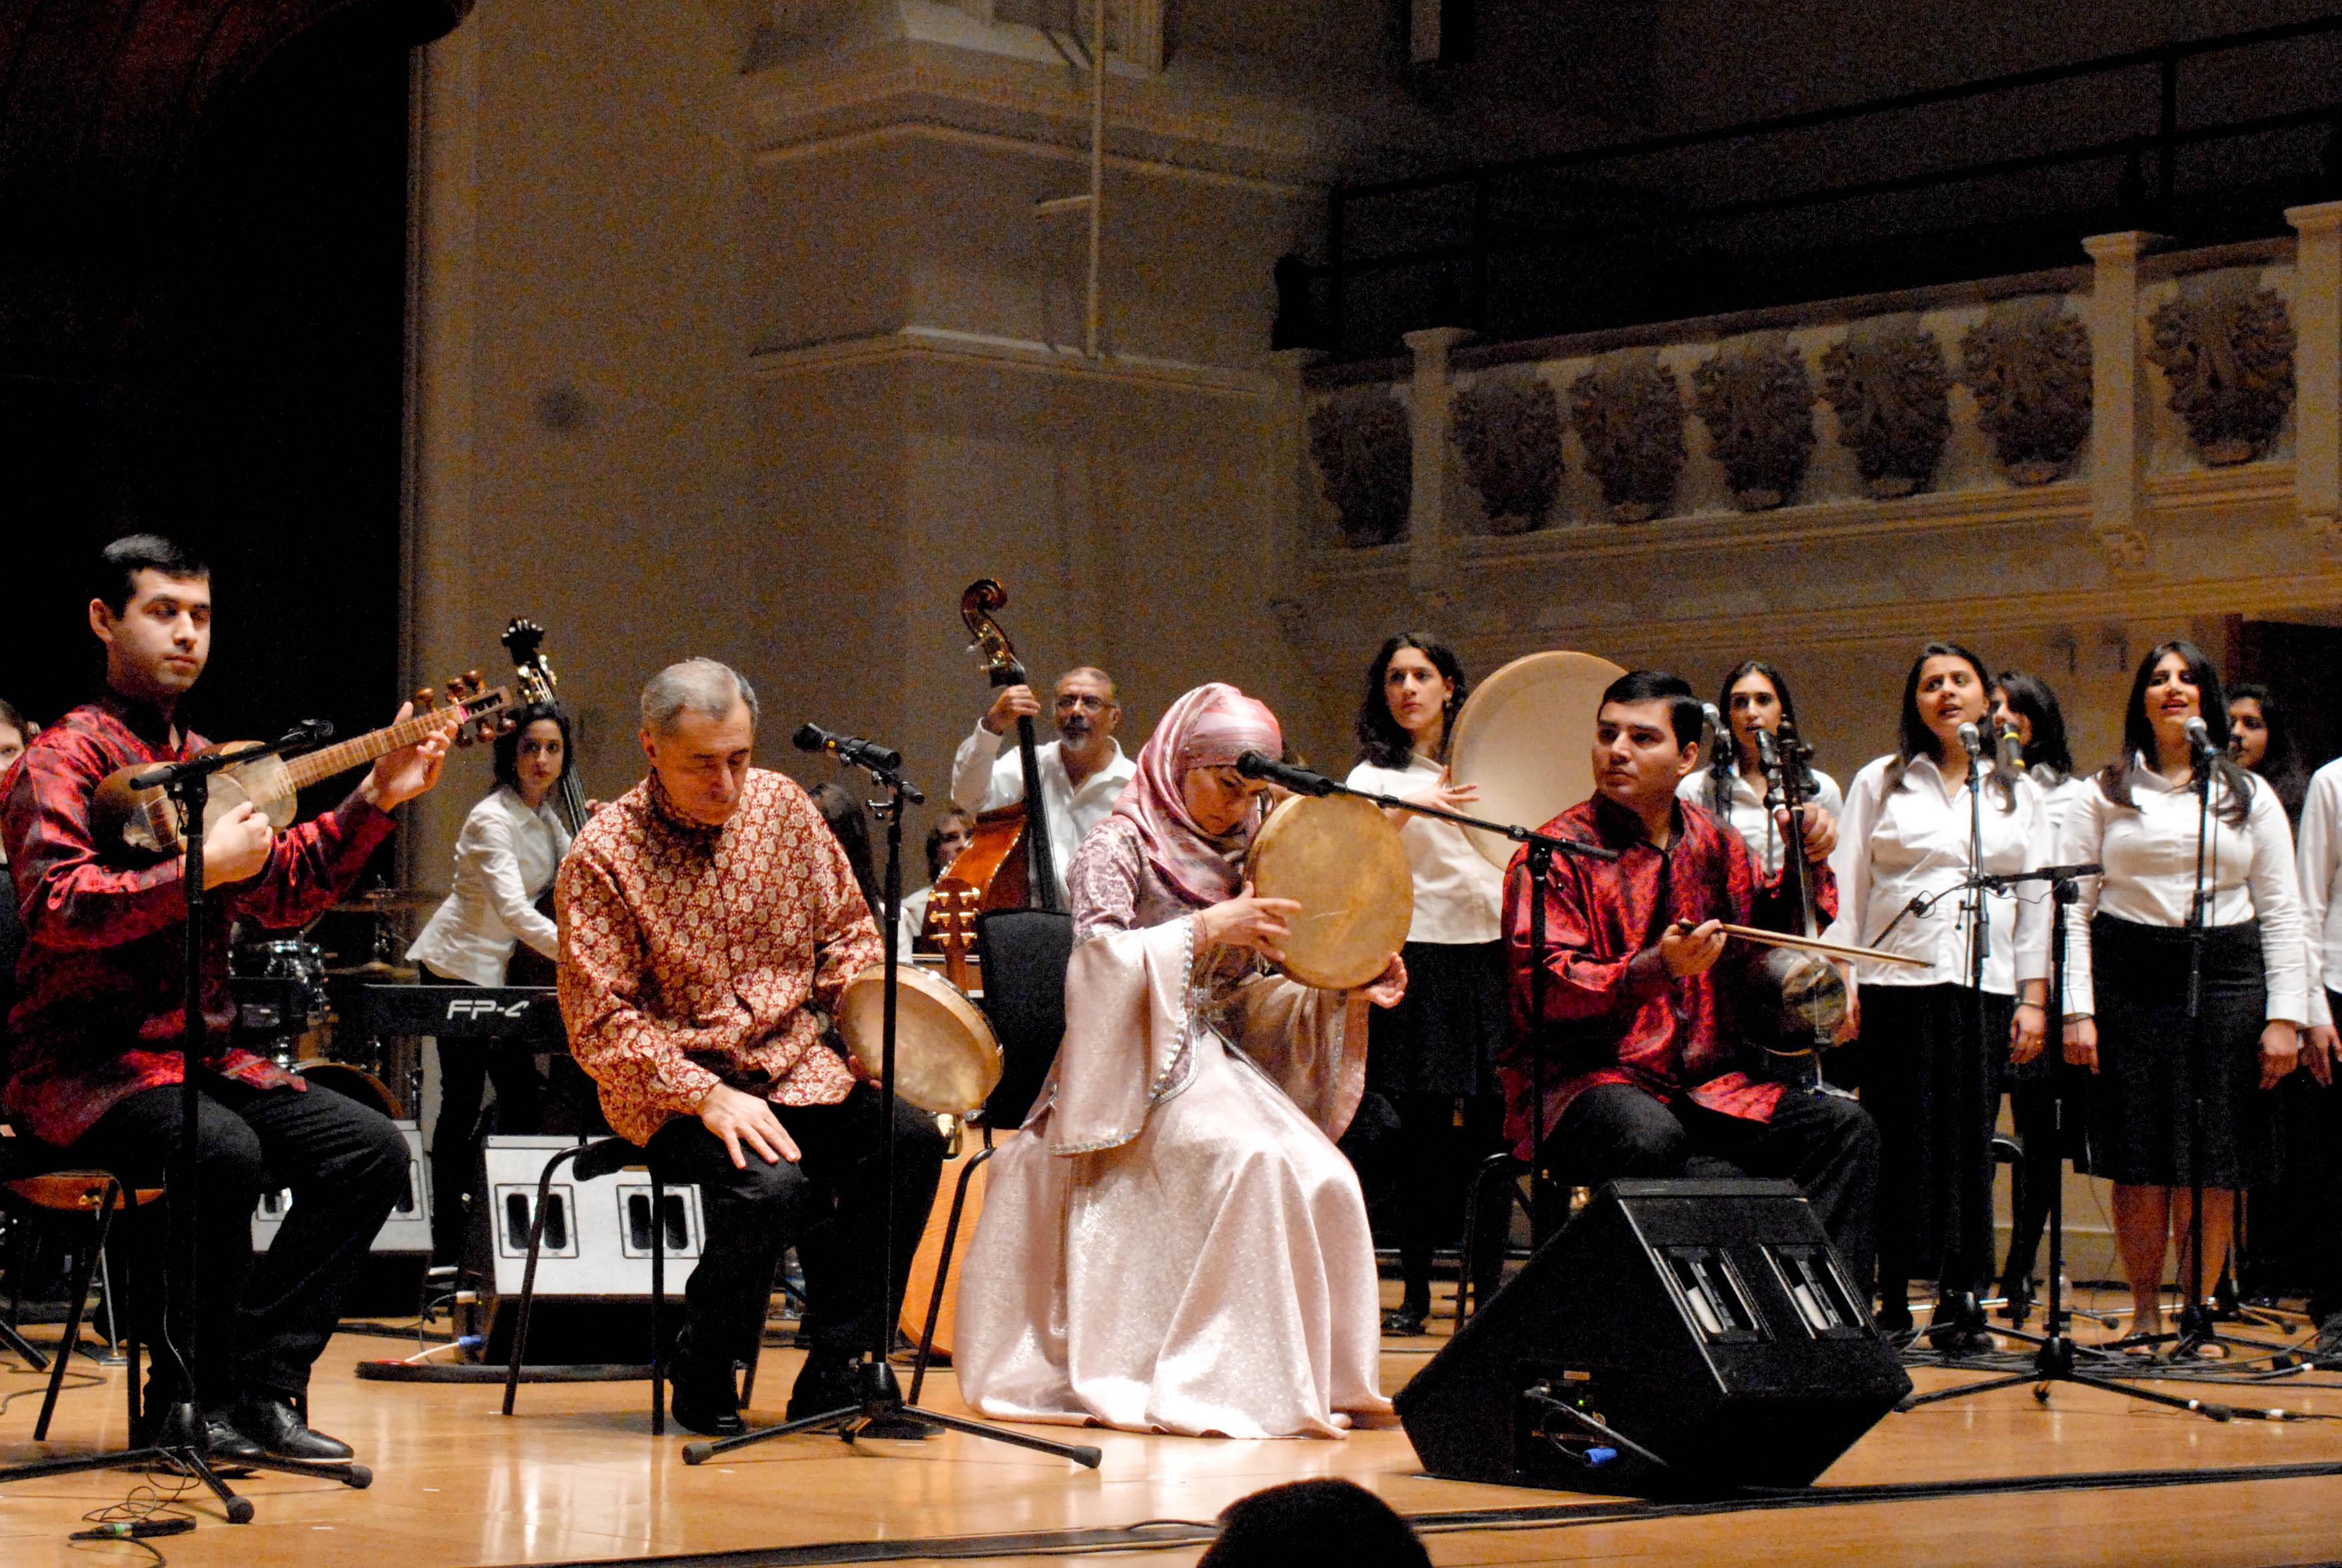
(102,977)
(1607,1020)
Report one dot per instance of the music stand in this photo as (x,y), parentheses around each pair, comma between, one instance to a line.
(881,1396)
(179,1435)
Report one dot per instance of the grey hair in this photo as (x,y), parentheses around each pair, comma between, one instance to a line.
(700,685)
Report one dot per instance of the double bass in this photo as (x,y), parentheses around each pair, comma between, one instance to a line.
(524,640)
(1009,863)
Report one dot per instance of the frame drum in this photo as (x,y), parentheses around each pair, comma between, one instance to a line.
(1526,737)
(946,1058)
(1342,859)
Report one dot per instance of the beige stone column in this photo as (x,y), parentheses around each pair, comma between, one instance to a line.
(1426,512)
(2119,412)
(1285,486)
(2317,366)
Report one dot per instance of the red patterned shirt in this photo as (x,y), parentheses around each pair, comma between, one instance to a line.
(693,957)
(102,977)
(1608,1019)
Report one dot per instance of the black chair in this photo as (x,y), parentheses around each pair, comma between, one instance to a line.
(594,1161)
(1499,1173)
(1026,955)
(39,1180)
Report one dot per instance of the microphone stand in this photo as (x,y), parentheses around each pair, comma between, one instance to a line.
(1974,1158)
(880,1395)
(1541,848)
(2057,1357)
(179,1433)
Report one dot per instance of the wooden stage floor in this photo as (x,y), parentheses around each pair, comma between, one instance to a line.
(577,1475)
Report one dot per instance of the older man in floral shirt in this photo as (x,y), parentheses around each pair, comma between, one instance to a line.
(709,922)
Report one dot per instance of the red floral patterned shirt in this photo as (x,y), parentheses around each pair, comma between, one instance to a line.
(1607,1020)
(693,957)
(101,976)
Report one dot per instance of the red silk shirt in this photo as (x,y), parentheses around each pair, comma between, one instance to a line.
(102,977)
(693,957)
(1608,1020)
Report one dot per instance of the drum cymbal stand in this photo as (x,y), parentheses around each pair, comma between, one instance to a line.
(179,1431)
(880,1395)
(1541,848)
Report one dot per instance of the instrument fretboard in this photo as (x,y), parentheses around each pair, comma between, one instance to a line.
(343,755)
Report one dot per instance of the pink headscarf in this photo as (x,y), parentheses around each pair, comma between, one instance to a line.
(1211,726)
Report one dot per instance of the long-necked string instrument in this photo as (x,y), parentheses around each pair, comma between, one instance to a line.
(525,640)
(1812,994)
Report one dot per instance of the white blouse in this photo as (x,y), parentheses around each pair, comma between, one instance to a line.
(2150,855)
(1746,811)
(2319,856)
(1458,894)
(505,860)
(1894,845)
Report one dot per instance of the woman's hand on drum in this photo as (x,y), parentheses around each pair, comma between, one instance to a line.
(1444,795)
(2280,1050)
(2082,1041)
(1388,988)
(2318,1051)
(1250,921)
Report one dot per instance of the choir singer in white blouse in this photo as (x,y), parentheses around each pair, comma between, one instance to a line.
(2127,1000)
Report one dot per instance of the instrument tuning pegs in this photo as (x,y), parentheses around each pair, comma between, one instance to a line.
(425,699)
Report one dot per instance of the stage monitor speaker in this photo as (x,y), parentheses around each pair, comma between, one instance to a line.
(1679,1338)
(593,1268)
(408,1229)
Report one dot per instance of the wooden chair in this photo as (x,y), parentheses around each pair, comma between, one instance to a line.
(39,1182)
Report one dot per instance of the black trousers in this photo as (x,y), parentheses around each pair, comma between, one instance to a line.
(830,1204)
(1825,1144)
(1933,1097)
(259,1323)
(465,1069)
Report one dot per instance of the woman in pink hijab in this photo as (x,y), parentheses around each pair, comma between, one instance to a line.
(1172,1244)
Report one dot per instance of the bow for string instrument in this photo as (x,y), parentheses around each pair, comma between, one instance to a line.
(1008,864)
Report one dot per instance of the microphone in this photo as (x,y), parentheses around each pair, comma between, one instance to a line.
(2012,750)
(2200,737)
(847,748)
(1972,742)
(1768,751)
(1300,781)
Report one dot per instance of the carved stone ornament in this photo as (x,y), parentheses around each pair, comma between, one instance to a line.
(1890,382)
(1510,433)
(1365,454)
(1629,413)
(1756,399)
(2227,351)
(2028,363)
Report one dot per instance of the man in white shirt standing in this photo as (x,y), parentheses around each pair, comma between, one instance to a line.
(1083,771)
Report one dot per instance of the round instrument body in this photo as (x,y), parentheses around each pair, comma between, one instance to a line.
(357,1083)
(946,1058)
(1526,737)
(1341,858)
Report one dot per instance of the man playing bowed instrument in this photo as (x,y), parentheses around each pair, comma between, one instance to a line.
(1648,1021)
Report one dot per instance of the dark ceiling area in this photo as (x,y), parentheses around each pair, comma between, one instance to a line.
(202,320)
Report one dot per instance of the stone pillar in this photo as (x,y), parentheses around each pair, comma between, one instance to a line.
(1287,489)
(1426,512)
(2119,411)
(2318,367)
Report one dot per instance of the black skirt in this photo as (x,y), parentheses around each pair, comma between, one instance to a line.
(2139,1109)
(1932,1095)
(1443,1036)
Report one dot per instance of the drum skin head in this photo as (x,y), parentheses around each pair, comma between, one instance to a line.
(1343,860)
(1526,737)
(946,1058)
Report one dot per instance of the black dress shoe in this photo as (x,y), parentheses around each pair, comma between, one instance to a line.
(270,1421)
(1406,1320)
(706,1400)
(222,1440)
